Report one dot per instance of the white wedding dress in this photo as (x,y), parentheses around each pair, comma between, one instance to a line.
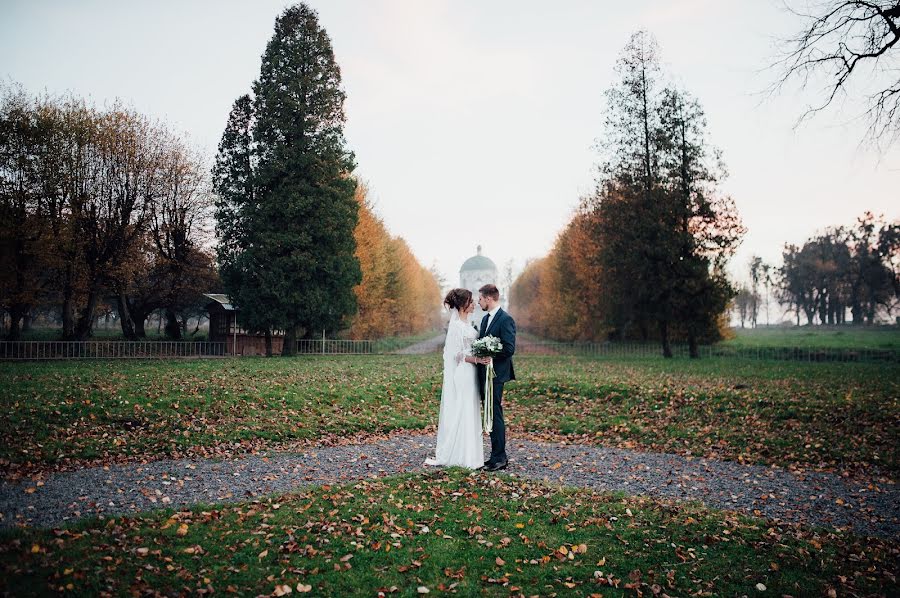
(459,424)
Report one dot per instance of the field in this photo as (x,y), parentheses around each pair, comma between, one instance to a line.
(818,337)
(444,532)
(830,415)
(447,531)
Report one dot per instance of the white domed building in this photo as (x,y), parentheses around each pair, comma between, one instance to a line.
(476,272)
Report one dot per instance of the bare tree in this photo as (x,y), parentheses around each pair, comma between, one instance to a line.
(849,40)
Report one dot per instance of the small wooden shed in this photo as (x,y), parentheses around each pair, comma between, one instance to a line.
(223,327)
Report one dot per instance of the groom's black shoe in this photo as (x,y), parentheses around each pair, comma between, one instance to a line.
(496,466)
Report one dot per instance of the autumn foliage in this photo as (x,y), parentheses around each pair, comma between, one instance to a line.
(557,296)
(98,207)
(397,296)
(644,255)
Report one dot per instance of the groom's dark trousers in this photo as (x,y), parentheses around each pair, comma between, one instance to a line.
(498,431)
(504,328)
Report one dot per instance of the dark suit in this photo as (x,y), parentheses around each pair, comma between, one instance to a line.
(504,328)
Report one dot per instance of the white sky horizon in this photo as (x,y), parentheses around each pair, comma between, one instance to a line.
(474,123)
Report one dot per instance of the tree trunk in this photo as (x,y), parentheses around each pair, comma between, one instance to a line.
(289,347)
(664,338)
(68,312)
(693,349)
(823,311)
(125,317)
(26,320)
(173,327)
(138,318)
(15,315)
(85,323)
(268,342)
(810,315)
(645,334)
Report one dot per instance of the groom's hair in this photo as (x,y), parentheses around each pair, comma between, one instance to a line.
(491,291)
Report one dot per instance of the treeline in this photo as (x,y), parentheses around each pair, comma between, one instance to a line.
(397,296)
(644,256)
(299,249)
(844,269)
(98,207)
(107,210)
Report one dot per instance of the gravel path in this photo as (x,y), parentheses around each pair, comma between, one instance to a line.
(775,493)
(431,345)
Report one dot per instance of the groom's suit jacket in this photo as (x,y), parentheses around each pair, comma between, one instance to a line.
(504,328)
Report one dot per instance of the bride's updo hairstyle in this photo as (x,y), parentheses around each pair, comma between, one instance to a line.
(458,299)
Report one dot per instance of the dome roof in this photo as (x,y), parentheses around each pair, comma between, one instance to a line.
(478,262)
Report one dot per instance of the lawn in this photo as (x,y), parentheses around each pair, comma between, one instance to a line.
(442,532)
(818,337)
(816,415)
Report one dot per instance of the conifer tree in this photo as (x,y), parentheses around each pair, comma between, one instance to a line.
(292,244)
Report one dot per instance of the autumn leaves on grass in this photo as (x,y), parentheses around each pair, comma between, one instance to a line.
(439,532)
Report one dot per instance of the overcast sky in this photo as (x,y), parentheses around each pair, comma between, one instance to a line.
(472,121)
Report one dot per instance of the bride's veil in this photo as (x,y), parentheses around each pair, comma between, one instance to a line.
(451,341)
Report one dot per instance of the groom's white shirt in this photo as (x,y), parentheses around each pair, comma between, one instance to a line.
(491,315)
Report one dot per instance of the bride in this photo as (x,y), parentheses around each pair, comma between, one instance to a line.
(459,424)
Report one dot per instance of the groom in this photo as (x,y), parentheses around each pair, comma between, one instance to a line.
(500,324)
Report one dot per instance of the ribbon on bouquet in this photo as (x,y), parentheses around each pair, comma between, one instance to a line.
(488,419)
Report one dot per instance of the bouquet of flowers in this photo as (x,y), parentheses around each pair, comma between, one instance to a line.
(488,346)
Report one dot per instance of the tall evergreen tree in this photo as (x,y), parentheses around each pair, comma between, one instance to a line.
(292,244)
(627,189)
(663,232)
(701,224)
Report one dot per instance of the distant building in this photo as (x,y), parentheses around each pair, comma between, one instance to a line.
(476,272)
(223,328)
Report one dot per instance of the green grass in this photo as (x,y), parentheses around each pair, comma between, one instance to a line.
(444,531)
(818,337)
(821,415)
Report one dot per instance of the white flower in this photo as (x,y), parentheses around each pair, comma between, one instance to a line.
(488,346)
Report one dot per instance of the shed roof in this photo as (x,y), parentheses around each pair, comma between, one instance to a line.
(222,300)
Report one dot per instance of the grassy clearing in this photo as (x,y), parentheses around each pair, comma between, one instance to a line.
(806,414)
(819,337)
(448,531)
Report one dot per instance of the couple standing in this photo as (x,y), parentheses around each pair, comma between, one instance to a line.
(459,424)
